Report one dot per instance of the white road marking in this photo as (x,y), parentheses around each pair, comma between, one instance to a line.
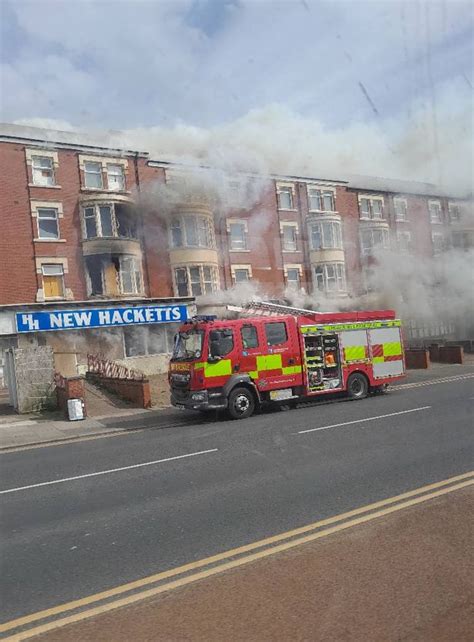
(430,382)
(360,421)
(107,472)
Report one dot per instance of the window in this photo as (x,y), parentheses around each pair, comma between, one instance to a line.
(289,240)
(404,241)
(276,333)
(249,337)
(109,220)
(293,278)
(326,235)
(115,177)
(47,218)
(130,275)
(195,280)
(400,206)
(373,238)
(285,198)
(241,274)
(221,342)
(238,235)
(53,281)
(321,201)
(371,208)
(438,243)
(460,240)
(191,231)
(150,340)
(330,277)
(454,213)
(93,175)
(435,211)
(43,170)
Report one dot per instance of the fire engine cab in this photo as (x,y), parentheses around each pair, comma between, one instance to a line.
(270,357)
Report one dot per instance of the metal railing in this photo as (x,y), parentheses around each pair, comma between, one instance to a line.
(103,367)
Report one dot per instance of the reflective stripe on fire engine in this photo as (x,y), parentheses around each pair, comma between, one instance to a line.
(361,325)
(269,362)
(219,369)
(354,353)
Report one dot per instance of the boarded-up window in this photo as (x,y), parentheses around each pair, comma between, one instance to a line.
(53,281)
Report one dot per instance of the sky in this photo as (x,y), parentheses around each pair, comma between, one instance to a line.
(359,85)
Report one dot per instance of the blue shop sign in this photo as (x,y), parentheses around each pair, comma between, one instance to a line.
(100,318)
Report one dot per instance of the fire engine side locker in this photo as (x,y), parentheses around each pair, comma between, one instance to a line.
(387,352)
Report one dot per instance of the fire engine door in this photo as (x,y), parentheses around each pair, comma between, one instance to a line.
(279,366)
(251,348)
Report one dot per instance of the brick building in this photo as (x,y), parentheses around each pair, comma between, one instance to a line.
(78,232)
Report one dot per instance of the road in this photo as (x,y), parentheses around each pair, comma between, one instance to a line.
(83,517)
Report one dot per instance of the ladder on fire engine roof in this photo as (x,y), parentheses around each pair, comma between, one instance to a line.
(267,308)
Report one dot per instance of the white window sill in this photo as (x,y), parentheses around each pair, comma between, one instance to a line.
(238,251)
(436,222)
(49,240)
(291,251)
(45,186)
(323,212)
(287,209)
(54,298)
(401,220)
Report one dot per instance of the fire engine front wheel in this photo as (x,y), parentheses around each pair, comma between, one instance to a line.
(241,403)
(357,386)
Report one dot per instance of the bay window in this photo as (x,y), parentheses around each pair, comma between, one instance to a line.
(191,231)
(109,220)
(330,277)
(195,280)
(372,238)
(325,235)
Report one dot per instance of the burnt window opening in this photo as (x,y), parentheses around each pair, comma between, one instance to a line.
(110,220)
(114,275)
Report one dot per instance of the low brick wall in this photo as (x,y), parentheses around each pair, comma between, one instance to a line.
(137,392)
(72,388)
(451,354)
(417,359)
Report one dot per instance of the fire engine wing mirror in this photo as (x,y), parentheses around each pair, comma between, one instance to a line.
(213,358)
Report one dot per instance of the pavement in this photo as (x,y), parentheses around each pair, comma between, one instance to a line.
(83,517)
(406,576)
(17,431)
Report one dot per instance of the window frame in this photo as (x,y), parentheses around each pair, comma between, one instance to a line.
(286,189)
(323,226)
(136,276)
(435,220)
(369,215)
(273,323)
(404,215)
(96,206)
(405,246)
(89,173)
(438,248)
(322,193)
(178,227)
(168,328)
(123,186)
(207,286)
(289,225)
(50,159)
(54,218)
(454,207)
(244,225)
(367,251)
(60,274)
(338,277)
(247,326)
(237,267)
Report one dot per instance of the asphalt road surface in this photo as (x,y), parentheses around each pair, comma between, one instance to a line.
(83,517)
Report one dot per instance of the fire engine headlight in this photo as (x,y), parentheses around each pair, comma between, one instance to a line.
(181,378)
(199,396)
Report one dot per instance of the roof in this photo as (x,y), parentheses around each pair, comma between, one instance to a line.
(95,140)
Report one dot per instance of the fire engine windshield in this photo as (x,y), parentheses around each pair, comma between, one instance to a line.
(188,345)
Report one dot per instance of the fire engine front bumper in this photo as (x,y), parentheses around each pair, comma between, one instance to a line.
(198,399)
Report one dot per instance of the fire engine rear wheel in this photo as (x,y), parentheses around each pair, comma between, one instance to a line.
(357,386)
(241,403)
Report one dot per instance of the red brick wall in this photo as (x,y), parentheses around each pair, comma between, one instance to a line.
(17,266)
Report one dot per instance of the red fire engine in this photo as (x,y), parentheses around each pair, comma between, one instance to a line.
(243,363)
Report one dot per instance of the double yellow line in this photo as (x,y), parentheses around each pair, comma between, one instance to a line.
(99,603)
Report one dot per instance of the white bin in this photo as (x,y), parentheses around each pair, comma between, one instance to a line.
(75,409)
